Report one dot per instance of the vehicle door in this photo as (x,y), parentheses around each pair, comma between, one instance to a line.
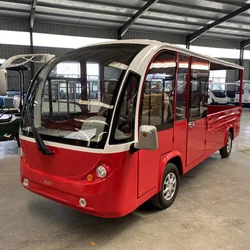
(157,109)
(181,113)
(198,97)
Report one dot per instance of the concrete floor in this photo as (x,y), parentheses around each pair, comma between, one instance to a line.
(212,211)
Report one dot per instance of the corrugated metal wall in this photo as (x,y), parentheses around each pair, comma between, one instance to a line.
(14,24)
(217,43)
(163,37)
(76,30)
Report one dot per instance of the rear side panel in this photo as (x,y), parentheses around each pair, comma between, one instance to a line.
(218,125)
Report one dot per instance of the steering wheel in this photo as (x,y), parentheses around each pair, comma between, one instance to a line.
(124,123)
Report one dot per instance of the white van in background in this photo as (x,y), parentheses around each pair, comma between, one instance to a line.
(231,89)
(216,94)
(245,94)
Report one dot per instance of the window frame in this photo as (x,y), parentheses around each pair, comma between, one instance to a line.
(113,140)
(190,118)
(187,86)
(162,50)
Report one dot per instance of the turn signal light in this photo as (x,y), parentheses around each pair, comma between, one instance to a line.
(90,177)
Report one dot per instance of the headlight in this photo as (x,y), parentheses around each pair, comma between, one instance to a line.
(101,172)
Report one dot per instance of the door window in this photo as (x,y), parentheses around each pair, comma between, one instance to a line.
(124,122)
(198,89)
(158,92)
(182,88)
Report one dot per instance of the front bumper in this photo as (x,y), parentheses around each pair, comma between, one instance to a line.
(102,199)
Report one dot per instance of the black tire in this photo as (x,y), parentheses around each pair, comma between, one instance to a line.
(226,150)
(159,200)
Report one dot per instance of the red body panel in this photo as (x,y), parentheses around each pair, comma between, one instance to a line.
(105,197)
(217,126)
(132,179)
(66,163)
(196,141)
(149,161)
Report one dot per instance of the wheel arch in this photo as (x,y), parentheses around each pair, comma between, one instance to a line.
(229,129)
(173,157)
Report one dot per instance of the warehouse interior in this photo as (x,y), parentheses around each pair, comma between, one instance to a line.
(212,209)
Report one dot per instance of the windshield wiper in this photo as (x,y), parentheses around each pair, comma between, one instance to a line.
(39,141)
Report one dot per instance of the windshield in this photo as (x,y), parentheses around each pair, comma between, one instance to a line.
(246,85)
(217,90)
(72,99)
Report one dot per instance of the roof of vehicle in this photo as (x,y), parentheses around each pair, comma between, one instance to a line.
(169,46)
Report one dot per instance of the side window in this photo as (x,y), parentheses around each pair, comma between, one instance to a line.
(158,92)
(182,88)
(124,124)
(198,89)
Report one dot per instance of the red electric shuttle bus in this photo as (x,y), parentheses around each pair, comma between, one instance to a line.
(109,126)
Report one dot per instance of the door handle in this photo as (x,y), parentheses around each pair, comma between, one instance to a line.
(191,124)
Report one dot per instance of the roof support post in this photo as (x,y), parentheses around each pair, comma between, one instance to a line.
(242,48)
(32,13)
(31,24)
(124,28)
(244,44)
(187,44)
(198,33)
(32,70)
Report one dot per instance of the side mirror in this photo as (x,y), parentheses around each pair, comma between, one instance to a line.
(148,138)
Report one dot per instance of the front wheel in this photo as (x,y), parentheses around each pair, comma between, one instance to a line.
(226,150)
(169,188)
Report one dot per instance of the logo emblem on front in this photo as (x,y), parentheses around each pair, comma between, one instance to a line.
(49,183)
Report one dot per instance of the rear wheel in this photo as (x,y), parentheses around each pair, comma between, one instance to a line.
(169,188)
(226,150)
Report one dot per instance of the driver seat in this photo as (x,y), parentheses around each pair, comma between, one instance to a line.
(107,96)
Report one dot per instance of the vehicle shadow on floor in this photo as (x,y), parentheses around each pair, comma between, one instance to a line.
(82,228)
(78,227)
(197,172)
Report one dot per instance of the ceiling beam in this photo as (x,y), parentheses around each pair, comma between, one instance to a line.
(198,33)
(27,2)
(32,13)
(245,43)
(124,28)
(57,7)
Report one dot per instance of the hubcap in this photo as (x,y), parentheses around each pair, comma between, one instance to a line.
(229,144)
(169,186)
